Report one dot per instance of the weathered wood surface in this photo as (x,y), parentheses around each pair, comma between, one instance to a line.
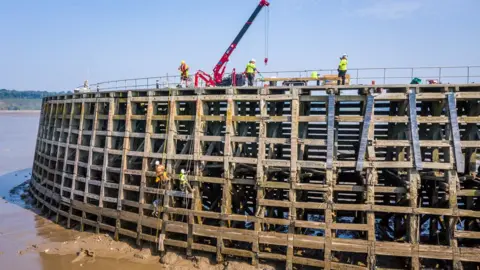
(278,173)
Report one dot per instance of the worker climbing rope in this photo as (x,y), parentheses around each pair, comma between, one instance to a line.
(342,69)
(184,75)
(250,71)
(184,184)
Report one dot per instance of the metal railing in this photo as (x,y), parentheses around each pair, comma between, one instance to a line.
(397,75)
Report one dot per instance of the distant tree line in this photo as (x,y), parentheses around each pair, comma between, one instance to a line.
(14,94)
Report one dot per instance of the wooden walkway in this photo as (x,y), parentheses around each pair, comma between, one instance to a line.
(327,177)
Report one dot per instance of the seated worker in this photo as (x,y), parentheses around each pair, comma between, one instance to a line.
(160,173)
(156,204)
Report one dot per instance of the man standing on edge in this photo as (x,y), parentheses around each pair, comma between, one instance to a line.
(250,71)
(184,72)
(342,68)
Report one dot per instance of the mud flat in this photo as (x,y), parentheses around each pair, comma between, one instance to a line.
(31,241)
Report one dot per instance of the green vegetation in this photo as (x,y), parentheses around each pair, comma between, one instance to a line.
(23,100)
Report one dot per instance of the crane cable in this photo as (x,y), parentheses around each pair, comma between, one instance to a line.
(267,26)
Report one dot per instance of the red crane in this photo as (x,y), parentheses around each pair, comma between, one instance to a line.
(219,69)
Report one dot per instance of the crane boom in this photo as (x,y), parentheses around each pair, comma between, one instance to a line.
(219,69)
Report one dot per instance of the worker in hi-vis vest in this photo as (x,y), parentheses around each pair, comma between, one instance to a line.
(342,68)
(183,71)
(250,71)
(184,184)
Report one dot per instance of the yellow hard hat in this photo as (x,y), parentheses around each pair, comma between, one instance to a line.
(183,61)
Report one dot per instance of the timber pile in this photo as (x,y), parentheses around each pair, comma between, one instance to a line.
(329,177)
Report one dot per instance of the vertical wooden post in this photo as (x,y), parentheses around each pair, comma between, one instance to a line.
(372,179)
(293,175)
(260,175)
(190,218)
(107,146)
(60,171)
(454,156)
(67,150)
(196,204)
(172,132)
(228,175)
(414,179)
(77,157)
(197,152)
(126,149)
(90,159)
(414,230)
(330,181)
(329,218)
(147,149)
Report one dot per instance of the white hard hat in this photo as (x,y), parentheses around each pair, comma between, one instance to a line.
(344,55)
(253,60)
(182,171)
(157,162)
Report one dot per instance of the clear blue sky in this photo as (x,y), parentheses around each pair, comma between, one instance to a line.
(56,44)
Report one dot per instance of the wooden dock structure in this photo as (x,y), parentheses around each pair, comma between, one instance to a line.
(323,177)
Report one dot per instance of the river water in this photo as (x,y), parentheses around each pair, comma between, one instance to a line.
(22,228)
(17,140)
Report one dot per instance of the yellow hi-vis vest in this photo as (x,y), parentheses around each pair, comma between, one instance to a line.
(183,178)
(251,68)
(343,65)
(184,69)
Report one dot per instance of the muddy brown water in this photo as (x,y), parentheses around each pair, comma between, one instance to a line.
(20,228)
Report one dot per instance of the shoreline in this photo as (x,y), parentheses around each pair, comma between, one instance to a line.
(18,111)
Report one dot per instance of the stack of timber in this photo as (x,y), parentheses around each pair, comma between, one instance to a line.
(323,177)
(327,79)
